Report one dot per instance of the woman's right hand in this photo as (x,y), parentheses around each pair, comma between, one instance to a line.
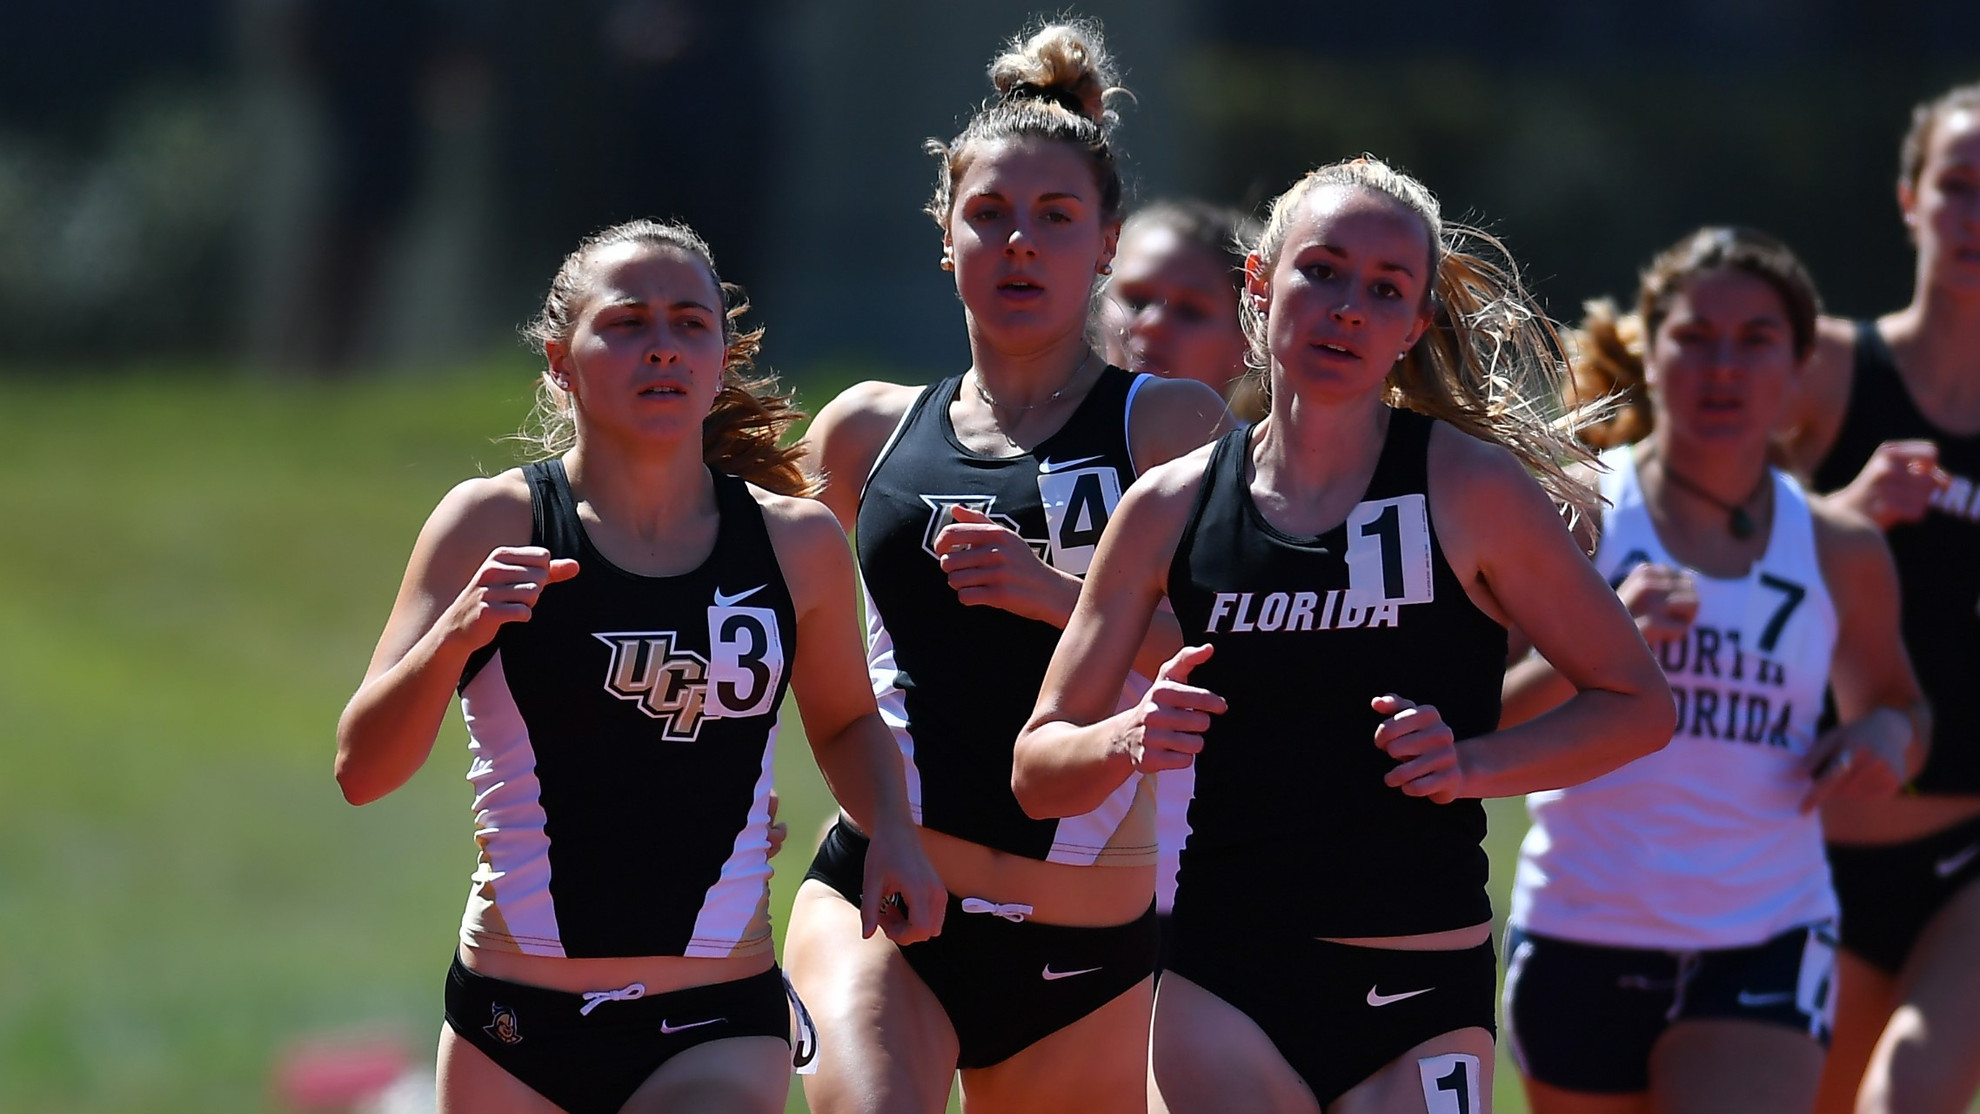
(1662,600)
(503,590)
(1897,483)
(1168,725)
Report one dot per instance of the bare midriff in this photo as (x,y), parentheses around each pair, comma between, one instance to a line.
(1058,893)
(1449,940)
(658,974)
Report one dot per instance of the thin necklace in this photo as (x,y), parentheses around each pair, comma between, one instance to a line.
(1055,396)
(1738,520)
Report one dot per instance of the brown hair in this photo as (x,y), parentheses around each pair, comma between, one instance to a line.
(1490,364)
(1609,350)
(744,430)
(1924,118)
(1053,84)
(1224,232)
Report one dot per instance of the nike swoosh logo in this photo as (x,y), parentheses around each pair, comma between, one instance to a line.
(1747,998)
(1378,999)
(670,1029)
(1050,975)
(1949,866)
(722,600)
(1049,466)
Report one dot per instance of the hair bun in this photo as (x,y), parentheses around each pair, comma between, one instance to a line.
(1066,64)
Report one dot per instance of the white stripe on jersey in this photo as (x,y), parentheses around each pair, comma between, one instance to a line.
(510,907)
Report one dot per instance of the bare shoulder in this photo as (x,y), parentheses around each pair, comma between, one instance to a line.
(1173,483)
(1464,468)
(1173,416)
(810,545)
(796,521)
(1848,545)
(866,412)
(481,514)
(1815,413)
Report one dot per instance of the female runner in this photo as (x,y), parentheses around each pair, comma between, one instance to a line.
(1889,420)
(622,620)
(1673,924)
(1346,570)
(1038,989)
(1171,308)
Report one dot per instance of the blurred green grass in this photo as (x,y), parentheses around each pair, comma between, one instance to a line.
(197,568)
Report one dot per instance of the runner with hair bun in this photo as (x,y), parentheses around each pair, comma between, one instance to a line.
(977,503)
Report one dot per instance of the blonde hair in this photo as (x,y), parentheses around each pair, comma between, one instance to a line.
(1491,362)
(1609,349)
(744,431)
(1054,83)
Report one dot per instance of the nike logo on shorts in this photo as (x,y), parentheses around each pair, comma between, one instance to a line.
(1949,866)
(1749,999)
(724,600)
(671,1029)
(1050,466)
(1377,998)
(1050,975)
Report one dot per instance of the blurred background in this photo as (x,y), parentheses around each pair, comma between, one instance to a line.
(261,265)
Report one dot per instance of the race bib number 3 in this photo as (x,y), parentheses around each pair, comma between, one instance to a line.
(1388,552)
(745,661)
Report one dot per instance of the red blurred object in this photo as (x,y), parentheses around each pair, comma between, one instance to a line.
(337,1073)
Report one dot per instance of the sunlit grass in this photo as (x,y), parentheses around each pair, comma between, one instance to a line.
(197,568)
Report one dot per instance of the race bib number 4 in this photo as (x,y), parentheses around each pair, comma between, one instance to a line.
(1078,503)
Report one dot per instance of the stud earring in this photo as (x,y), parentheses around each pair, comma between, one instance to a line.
(1106,268)
(948,262)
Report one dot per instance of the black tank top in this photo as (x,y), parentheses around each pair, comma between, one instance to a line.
(623,739)
(1291,814)
(958,682)
(1938,557)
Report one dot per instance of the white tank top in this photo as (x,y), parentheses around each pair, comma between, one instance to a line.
(1701,844)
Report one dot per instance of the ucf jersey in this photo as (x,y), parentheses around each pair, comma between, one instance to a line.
(956,683)
(622,741)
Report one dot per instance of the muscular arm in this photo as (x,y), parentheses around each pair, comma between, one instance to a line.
(1499,529)
(1814,414)
(1075,750)
(854,749)
(845,439)
(463,581)
(1532,685)
(1871,672)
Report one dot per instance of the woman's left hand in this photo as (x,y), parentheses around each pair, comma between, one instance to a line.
(1860,760)
(1417,737)
(991,566)
(902,894)
(779,832)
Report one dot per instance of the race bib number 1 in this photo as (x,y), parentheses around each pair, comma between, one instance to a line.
(1388,553)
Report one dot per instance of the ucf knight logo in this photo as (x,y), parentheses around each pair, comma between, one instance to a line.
(682,689)
(668,684)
